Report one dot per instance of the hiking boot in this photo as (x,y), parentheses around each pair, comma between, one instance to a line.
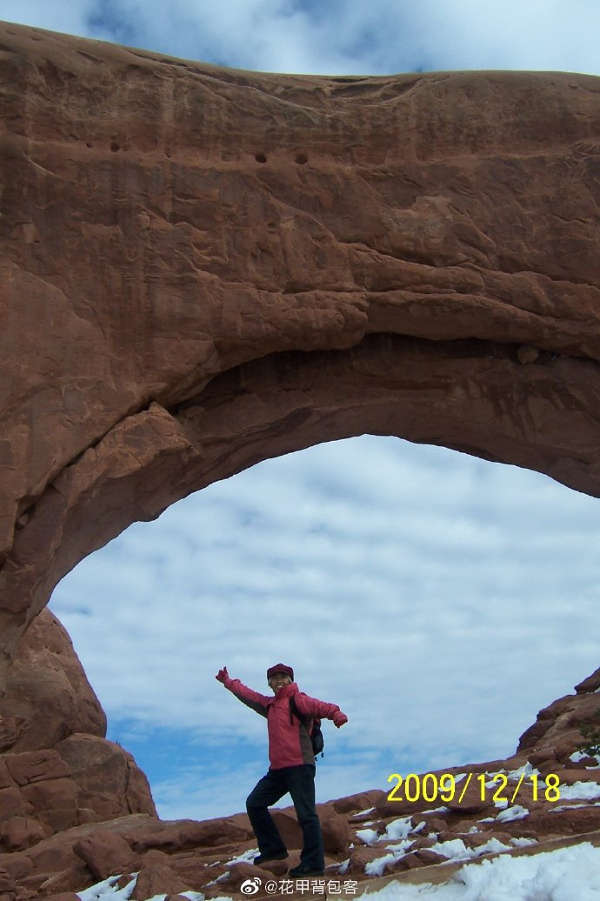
(302,870)
(263,858)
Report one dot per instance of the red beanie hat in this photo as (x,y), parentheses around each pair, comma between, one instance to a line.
(280,668)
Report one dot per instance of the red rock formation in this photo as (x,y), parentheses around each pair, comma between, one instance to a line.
(412,255)
(57,770)
(47,695)
(201,268)
(51,802)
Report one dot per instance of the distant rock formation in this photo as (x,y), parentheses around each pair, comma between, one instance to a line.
(201,268)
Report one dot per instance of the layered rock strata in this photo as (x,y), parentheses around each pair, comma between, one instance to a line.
(57,770)
(201,268)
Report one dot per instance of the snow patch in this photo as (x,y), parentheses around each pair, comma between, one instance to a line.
(246,857)
(526,770)
(512,813)
(523,842)
(108,890)
(398,829)
(368,836)
(377,867)
(580,790)
(569,874)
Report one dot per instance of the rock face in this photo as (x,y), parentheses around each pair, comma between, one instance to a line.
(543,797)
(201,268)
(47,695)
(57,770)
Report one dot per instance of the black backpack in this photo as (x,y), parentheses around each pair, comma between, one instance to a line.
(316,736)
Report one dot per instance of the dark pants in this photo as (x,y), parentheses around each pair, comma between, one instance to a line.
(299,781)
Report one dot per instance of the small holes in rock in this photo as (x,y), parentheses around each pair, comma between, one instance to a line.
(301,159)
(114,146)
(260,158)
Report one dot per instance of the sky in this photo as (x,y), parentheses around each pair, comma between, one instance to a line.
(339,36)
(440,600)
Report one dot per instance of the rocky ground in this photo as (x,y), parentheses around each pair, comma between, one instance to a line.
(80,812)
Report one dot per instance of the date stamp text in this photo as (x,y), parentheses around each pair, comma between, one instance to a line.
(447,788)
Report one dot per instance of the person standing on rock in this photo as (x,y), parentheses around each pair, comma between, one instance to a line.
(292,765)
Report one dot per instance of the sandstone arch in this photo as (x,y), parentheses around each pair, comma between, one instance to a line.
(202,268)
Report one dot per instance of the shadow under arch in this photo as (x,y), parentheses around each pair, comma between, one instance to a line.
(472,396)
(398,283)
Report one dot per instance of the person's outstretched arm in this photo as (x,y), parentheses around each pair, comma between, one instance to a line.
(246,695)
(313,707)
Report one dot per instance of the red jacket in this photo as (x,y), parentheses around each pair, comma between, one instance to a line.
(289,739)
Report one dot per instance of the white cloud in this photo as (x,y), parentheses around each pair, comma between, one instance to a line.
(70,18)
(439,599)
(343,37)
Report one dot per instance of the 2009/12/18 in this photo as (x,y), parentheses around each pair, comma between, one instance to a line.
(430,787)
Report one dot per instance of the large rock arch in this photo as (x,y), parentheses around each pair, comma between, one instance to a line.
(202,268)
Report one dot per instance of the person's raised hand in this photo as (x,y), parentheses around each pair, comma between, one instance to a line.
(339,719)
(222,675)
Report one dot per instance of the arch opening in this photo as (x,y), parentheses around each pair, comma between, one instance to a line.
(199,311)
(473,396)
(446,582)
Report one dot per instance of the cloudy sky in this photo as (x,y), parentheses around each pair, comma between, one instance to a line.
(439,599)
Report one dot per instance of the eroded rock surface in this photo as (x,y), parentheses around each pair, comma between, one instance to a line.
(201,268)
(57,770)
(368,839)
(47,694)
(78,811)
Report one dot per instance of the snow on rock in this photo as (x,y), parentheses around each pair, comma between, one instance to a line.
(368,836)
(246,857)
(576,756)
(377,867)
(512,813)
(573,806)
(108,890)
(569,874)
(453,849)
(519,842)
(399,829)
(493,846)
(580,791)
(526,770)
